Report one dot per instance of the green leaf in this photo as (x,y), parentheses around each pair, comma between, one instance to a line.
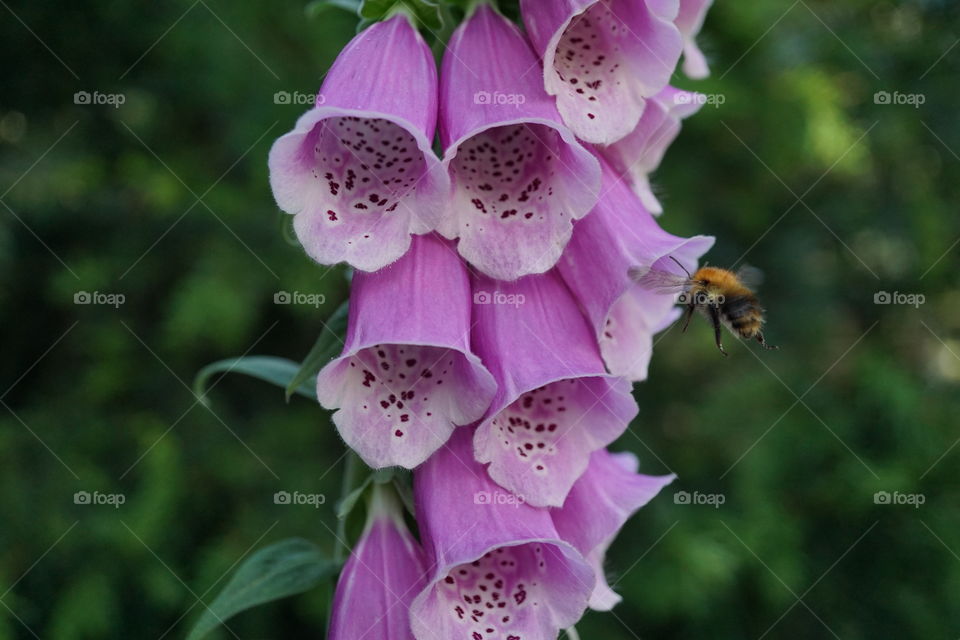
(278,371)
(326,347)
(282,569)
(318,7)
(402,484)
(349,501)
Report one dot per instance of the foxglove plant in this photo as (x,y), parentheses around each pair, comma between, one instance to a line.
(406,376)
(358,171)
(500,568)
(385,572)
(493,328)
(602,59)
(519,177)
(554,404)
(637,155)
(624,315)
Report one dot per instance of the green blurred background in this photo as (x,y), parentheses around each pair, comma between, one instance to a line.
(165,200)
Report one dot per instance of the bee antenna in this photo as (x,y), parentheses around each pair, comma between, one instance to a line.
(682,267)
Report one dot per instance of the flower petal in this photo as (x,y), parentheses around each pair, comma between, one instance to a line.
(602,59)
(639,153)
(358,170)
(603,598)
(604,498)
(500,570)
(554,403)
(690,21)
(620,234)
(600,503)
(385,572)
(406,376)
(519,176)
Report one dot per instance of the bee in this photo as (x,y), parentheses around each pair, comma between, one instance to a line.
(722,296)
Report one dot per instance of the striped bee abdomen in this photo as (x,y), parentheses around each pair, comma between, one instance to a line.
(743,315)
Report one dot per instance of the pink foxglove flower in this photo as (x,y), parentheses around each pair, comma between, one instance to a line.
(599,504)
(519,176)
(358,171)
(385,572)
(690,21)
(500,569)
(603,58)
(637,155)
(406,376)
(618,235)
(555,403)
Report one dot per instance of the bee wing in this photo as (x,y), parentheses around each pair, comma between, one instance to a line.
(750,276)
(659,281)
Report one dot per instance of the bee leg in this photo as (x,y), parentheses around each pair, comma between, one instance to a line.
(687,315)
(715,321)
(763,343)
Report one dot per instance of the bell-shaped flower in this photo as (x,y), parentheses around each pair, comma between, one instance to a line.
(599,504)
(555,403)
(358,171)
(500,569)
(406,376)
(637,155)
(519,176)
(384,573)
(690,21)
(603,58)
(619,235)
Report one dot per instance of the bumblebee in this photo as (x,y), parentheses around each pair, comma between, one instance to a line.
(723,297)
